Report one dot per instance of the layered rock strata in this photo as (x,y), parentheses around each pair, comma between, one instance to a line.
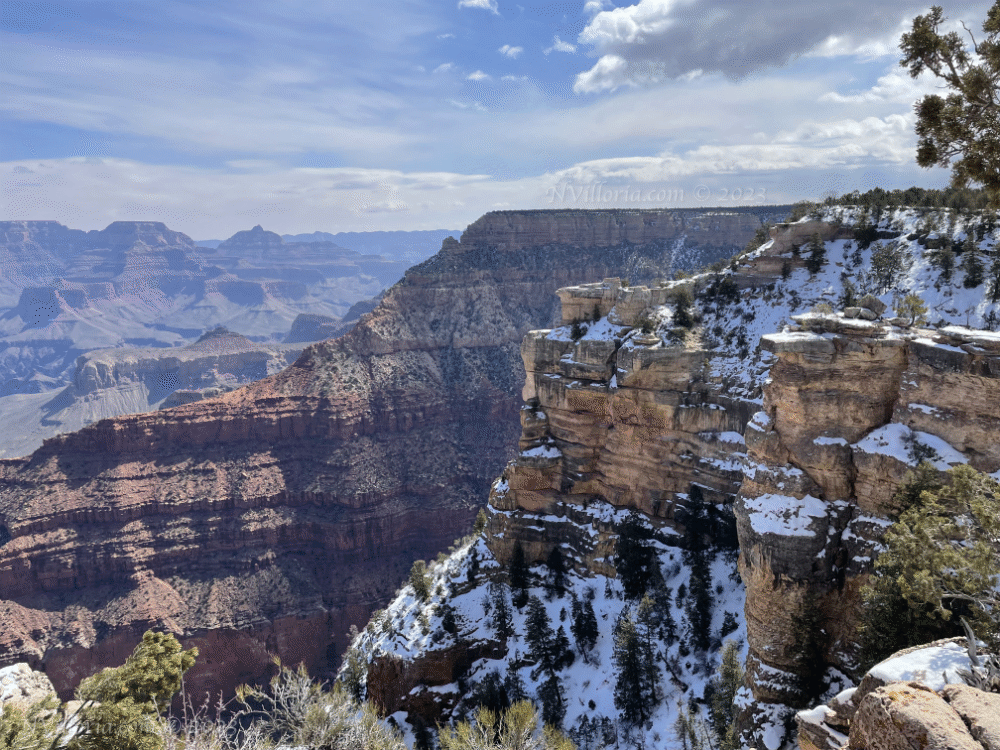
(850,405)
(275,516)
(617,418)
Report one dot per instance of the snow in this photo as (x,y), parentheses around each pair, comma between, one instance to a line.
(542,451)
(784,515)
(824,440)
(933,666)
(896,440)
(584,681)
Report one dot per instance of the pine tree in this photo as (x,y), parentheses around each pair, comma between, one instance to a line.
(945,260)
(850,294)
(663,597)
(995,278)
(634,561)
(553,704)
(630,694)
(473,570)
(723,713)
(503,620)
(971,264)
(420,581)
(817,255)
(563,655)
(122,705)
(540,637)
(699,600)
(646,627)
(584,626)
(557,571)
(519,576)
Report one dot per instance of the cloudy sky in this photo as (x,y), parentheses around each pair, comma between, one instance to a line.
(215,115)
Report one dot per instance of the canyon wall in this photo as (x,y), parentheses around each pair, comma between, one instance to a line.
(849,404)
(275,516)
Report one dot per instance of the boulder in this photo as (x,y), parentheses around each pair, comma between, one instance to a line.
(873,303)
(980,711)
(903,716)
(21,686)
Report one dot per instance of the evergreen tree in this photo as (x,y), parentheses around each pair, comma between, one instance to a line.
(122,705)
(682,308)
(699,600)
(940,564)
(635,562)
(584,626)
(663,597)
(563,655)
(540,637)
(945,260)
(630,680)
(723,713)
(557,571)
(995,278)
(519,576)
(849,296)
(646,627)
(971,264)
(913,308)
(817,255)
(553,705)
(503,619)
(513,684)
(473,570)
(420,581)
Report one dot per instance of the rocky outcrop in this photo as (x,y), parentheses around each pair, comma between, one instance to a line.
(275,516)
(849,404)
(618,418)
(20,686)
(915,698)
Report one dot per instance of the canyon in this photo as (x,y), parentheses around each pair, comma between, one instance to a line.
(795,420)
(68,294)
(273,517)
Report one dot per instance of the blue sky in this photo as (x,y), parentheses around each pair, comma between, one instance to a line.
(407,114)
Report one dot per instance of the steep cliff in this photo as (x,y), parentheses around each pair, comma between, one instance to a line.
(851,407)
(800,438)
(273,517)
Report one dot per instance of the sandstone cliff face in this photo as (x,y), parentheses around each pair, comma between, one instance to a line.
(846,405)
(275,516)
(616,419)
(612,418)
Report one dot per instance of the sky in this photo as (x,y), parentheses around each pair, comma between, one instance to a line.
(216,115)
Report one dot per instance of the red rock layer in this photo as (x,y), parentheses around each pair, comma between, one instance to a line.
(273,517)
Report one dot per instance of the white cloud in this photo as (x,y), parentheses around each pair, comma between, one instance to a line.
(558,45)
(664,39)
(895,86)
(594,6)
(514,78)
(608,74)
(511,52)
(490,5)
(478,76)
(444,67)
(446,36)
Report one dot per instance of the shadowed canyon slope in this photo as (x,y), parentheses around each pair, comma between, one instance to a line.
(273,517)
